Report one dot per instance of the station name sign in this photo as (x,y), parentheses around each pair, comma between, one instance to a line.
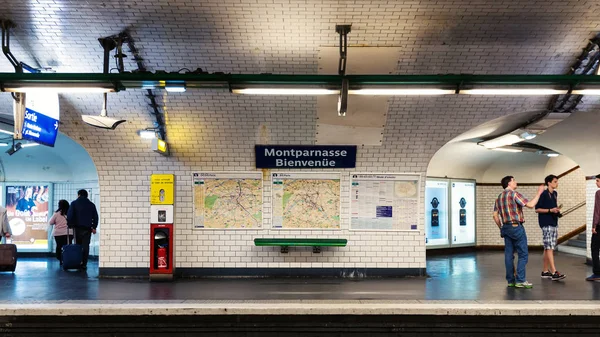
(305,156)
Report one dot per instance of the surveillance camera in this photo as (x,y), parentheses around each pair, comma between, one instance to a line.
(102,121)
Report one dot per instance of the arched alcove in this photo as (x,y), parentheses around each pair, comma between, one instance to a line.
(63,169)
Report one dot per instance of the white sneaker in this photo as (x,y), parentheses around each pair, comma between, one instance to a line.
(525,285)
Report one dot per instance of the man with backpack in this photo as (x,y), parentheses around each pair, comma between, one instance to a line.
(83,218)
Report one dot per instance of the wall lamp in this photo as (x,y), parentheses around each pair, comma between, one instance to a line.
(147,133)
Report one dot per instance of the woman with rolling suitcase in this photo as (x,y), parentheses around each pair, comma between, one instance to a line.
(61,231)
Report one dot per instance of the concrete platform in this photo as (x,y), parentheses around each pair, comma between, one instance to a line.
(477,278)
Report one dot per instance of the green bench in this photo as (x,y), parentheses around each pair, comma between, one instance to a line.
(315,243)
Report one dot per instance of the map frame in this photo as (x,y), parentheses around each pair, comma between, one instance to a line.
(249,173)
(407,174)
(316,174)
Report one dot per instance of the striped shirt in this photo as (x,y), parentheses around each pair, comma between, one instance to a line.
(509,206)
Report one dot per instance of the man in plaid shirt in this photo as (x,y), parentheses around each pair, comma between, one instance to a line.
(508,215)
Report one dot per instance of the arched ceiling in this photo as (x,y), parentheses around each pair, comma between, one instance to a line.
(500,37)
(66,161)
(463,158)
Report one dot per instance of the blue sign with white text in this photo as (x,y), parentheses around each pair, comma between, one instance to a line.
(305,156)
(39,128)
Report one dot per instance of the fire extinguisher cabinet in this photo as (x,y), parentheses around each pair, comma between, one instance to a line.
(161,252)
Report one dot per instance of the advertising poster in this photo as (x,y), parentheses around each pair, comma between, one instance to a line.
(436,212)
(463,212)
(27,210)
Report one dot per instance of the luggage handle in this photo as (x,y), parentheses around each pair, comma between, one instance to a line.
(68,241)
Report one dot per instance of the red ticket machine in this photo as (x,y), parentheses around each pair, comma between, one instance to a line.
(161,252)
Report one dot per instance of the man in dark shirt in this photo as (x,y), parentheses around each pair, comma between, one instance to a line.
(547,210)
(83,216)
(595,236)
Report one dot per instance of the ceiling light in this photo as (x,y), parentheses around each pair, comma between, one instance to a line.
(501,141)
(507,150)
(285,91)
(552,154)
(4,144)
(513,92)
(528,135)
(30,145)
(401,92)
(147,134)
(587,91)
(179,87)
(59,89)
(7,132)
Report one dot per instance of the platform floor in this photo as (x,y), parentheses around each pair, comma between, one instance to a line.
(464,277)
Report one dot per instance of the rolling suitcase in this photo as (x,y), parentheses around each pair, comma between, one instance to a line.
(8,257)
(72,254)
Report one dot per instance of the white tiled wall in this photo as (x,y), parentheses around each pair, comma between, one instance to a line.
(571,191)
(217,131)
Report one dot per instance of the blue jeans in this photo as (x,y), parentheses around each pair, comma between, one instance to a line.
(515,239)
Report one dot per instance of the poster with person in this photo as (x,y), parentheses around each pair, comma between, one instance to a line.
(27,210)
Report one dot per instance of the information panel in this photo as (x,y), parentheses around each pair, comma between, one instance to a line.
(27,211)
(463,212)
(384,202)
(306,200)
(228,200)
(436,212)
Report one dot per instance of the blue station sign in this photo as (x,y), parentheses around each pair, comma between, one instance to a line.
(39,128)
(305,156)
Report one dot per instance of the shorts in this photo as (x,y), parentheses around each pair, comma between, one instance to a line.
(550,236)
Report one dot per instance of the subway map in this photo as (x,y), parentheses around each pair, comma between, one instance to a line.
(227,200)
(305,201)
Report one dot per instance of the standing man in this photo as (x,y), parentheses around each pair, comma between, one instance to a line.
(547,210)
(508,215)
(83,217)
(595,236)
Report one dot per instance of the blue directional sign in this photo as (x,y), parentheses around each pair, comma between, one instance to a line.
(39,128)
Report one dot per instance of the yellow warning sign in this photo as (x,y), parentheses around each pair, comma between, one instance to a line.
(162,189)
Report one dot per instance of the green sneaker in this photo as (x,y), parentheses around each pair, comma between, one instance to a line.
(511,285)
(525,285)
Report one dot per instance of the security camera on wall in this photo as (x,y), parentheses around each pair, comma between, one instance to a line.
(102,121)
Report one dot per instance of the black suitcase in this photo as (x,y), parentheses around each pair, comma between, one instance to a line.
(8,257)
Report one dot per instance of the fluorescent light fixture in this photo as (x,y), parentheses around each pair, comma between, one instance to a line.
(507,150)
(57,87)
(501,141)
(513,92)
(180,87)
(402,92)
(285,91)
(7,132)
(589,92)
(147,134)
(4,144)
(552,154)
(30,145)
